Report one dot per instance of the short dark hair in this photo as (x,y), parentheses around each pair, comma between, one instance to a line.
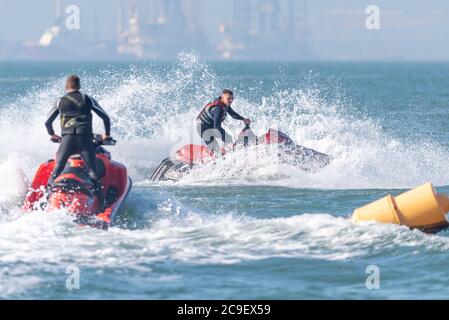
(227,91)
(73,82)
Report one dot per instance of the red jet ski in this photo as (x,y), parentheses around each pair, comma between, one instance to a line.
(74,189)
(173,169)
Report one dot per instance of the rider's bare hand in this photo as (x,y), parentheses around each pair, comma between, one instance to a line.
(55,138)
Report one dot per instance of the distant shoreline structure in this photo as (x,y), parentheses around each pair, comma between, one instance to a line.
(160,29)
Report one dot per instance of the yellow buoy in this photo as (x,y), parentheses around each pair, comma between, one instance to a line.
(421,208)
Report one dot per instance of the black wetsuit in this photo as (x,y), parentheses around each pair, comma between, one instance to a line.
(77,135)
(212,119)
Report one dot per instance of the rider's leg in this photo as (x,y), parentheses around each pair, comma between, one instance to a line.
(88,155)
(65,150)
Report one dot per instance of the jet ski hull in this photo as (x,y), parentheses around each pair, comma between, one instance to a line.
(288,152)
(76,195)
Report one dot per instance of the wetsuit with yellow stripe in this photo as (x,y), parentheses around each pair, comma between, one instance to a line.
(75,110)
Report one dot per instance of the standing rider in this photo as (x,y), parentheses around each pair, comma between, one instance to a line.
(76,109)
(209,121)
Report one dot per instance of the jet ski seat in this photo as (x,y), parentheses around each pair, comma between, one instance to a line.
(101,168)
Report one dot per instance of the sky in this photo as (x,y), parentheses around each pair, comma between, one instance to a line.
(409,29)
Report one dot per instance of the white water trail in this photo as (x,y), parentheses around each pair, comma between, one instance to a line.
(153,110)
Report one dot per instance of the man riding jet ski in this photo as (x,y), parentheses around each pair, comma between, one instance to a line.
(78,145)
(210,128)
(74,189)
(75,110)
(211,117)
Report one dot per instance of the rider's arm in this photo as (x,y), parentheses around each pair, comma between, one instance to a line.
(103,115)
(51,117)
(234,114)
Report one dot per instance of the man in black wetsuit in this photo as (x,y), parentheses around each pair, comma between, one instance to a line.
(76,109)
(211,117)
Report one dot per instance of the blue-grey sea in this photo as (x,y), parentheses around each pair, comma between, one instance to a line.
(256,229)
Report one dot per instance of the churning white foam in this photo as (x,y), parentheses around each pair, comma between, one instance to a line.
(153,110)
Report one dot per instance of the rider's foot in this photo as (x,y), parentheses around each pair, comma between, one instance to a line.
(48,188)
(101,206)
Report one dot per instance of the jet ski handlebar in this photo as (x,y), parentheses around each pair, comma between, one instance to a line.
(98,140)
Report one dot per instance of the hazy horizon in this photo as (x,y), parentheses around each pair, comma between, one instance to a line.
(409,30)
